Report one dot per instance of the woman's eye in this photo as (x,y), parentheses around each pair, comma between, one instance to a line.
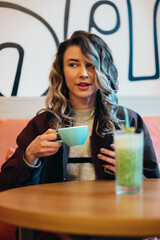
(90,65)
(73,64)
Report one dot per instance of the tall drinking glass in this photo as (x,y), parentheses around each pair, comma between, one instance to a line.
(129,161)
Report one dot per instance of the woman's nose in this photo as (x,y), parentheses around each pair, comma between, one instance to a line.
(83,73)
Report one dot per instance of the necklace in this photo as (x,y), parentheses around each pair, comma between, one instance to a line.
(85,120)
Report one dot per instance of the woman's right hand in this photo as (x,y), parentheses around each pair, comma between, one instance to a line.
(42,146)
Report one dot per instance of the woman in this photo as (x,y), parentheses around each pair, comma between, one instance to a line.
(83,87)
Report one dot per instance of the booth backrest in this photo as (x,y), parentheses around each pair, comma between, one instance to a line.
(153,125)
(9,130)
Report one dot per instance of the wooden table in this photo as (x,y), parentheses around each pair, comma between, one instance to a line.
(85,207)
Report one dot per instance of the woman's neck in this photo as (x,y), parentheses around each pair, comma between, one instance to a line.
(83,104)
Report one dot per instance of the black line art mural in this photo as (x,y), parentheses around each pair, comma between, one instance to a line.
(19,67)
(39,34)
(20,48)
(94,25)
(35,15)
(130,73)
(66,18)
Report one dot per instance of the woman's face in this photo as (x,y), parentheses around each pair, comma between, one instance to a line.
(80,78)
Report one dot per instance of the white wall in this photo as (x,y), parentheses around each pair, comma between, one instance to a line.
(36,26)
(27,107)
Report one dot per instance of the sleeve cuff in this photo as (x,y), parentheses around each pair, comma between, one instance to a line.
(38,164)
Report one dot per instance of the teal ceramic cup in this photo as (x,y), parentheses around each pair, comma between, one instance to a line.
(73,136)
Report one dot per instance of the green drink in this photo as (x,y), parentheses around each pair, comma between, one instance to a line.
(129,161)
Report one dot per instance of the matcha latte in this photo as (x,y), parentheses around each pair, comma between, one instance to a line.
(129,161)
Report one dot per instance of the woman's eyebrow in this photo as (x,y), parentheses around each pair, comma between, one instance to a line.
(72,59)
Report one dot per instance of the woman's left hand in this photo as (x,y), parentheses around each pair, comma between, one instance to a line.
(108,156)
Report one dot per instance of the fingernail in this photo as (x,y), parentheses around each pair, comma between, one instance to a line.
(99,155)
(102,149)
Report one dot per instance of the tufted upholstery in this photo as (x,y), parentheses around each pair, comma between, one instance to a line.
(9,129)
(153,125)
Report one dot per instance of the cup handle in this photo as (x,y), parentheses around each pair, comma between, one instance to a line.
(59,139)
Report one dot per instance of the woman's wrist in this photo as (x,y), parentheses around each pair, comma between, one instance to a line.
(36,164)
(29,160)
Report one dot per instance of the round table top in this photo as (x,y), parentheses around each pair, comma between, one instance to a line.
(84,207)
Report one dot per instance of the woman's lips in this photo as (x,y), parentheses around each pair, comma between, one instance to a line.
(83,86)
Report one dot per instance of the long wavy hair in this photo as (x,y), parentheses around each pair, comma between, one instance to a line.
(96,51)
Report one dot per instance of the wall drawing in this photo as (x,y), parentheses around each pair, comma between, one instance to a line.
(29,37)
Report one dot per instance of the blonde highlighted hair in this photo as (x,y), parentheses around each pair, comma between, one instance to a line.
(57,100)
